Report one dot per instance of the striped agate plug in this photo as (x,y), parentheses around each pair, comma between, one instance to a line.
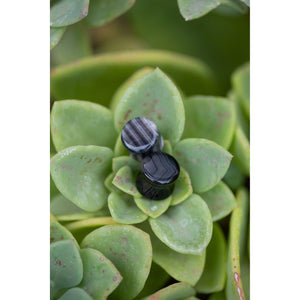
(140,137)
(159,172)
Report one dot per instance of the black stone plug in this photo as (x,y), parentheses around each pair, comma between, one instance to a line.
(159,172)
(140,137)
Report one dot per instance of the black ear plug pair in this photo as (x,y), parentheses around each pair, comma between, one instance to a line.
(141,138)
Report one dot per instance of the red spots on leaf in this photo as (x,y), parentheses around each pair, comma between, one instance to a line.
(178,154)
(127,114)
(52,240)
(101,258)
(115,278)
(64,167)
(124,241)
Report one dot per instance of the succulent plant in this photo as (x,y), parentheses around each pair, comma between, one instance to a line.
(130,245)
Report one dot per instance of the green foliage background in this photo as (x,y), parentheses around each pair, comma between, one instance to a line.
(103,53)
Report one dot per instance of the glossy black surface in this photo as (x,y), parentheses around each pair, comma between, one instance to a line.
(159,172)
(140,137)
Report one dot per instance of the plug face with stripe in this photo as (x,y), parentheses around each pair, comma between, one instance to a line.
(159,173)
(140,137)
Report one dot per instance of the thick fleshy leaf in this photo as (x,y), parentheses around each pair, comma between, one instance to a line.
(242,120)
(60,205)
(193,9)
(124,181)
(234,177)
(212,118)
(56,35)
(205,161)
(97,78)
(129,249)
(217,296)
(81,123)
(66,268)
(191,298)
(214,274)
(100,276)
(176,291)
(182,267)
(156,280)
(122,161)
(75,294)
(122,89)
(104,11)
(79,172)
(108,183)
(124,210)
(240,148)
(186,227)
(155,97)
(167,147)
(220,201)
(119,149)
(241,85)
(152,208)
(183,188)
(59,233)
(67,12)
(75,44)
(237,246)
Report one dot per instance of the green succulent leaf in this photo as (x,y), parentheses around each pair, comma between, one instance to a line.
(212,118)
(97,78)
(186,227)
(155,97)
(75,294)
(182,267)
(240,148)
(60,205)
(100,276)
(125,182)
(66,268)
(191,298)
(176,291)
(79,172)
(67,12)
(56,35)
(167,148)
(242,120)
(217,296)
(59,233)
(104,11)
(193,9)
(129,249)
(119,148)
(241,85)
(234,177)
(76,122)
(214,274)
(237,247)
(152,208)
(220,201)
(122,89)
(124,210)
(74,45)
(156,280)
(205,161)
(183,188)
(109,185)
(122,161)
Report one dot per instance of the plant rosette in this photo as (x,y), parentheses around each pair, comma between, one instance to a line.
(93,172)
